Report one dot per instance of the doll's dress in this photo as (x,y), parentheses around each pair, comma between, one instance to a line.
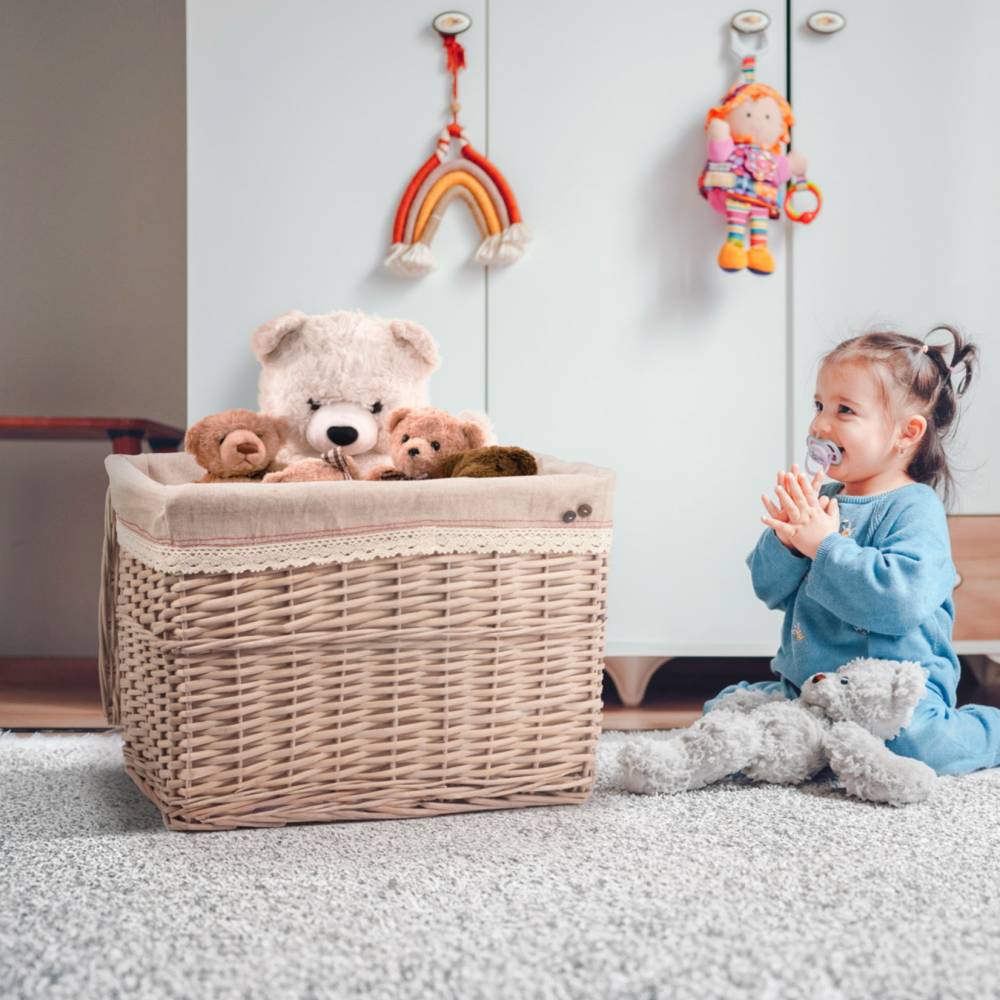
(748,174)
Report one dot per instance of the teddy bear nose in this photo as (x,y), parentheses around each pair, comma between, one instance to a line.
(342,435)
(819,677)
(246,449)
(413,452)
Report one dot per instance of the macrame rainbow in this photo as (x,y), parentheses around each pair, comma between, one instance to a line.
(469,178)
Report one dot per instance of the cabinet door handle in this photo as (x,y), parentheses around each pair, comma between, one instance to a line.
(750,22)
(958,580)
(826,22)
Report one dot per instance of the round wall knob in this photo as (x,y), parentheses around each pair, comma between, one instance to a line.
(452,22)
(750,22)
(570,516)
(826,22)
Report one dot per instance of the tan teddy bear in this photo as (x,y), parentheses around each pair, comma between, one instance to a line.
(429,443)
(235,446)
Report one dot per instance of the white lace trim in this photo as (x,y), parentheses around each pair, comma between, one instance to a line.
(420,541)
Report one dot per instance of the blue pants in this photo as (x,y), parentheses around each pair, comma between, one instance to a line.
(950,740)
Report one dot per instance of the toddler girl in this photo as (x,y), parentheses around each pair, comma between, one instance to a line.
(862,568)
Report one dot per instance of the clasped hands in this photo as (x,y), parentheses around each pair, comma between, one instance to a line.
(802,518)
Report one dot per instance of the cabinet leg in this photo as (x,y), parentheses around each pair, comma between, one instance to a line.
(631,675)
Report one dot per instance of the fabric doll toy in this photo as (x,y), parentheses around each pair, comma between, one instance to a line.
(746,168)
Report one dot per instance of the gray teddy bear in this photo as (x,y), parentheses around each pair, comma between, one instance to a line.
(841,720)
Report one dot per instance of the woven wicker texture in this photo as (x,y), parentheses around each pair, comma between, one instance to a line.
(388,688)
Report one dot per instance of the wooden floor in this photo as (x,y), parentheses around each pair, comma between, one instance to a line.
(66,694)
(50,694)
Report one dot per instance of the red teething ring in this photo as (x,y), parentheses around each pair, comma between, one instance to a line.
(803,217)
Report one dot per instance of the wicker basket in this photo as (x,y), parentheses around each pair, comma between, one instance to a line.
(381,661)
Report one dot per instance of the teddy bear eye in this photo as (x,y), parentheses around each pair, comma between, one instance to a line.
(376,407)
(313,405)
(436,445)
(843,680)
(406,437)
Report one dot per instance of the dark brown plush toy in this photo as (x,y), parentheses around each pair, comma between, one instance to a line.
(236,446)
(496,460)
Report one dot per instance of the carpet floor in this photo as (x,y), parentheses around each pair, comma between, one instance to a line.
(735,891)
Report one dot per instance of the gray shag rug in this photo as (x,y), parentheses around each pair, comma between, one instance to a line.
(734,891)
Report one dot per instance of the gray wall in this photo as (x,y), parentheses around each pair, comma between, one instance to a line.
(92,281)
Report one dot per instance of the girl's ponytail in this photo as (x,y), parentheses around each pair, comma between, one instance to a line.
(941,394)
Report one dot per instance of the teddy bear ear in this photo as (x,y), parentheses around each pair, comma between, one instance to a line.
(396,417)
(267,338)
(414,337)
(192,438)
(474,434)
(483,422)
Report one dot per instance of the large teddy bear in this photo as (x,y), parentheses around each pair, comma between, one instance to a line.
(841,720)
(334,378)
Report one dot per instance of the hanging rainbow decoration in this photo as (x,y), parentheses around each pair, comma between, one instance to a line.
(446,177)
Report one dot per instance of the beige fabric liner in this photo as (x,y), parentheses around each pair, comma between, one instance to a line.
(174,524)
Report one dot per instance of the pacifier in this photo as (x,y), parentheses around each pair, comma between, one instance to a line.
(820,455)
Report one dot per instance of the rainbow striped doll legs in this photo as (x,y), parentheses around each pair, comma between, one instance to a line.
(759,260)
(733,255)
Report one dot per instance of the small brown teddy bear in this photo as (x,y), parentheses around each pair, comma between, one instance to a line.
(235,446)
(432,444)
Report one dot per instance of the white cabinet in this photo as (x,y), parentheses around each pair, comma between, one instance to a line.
(617,339)
(896,113)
